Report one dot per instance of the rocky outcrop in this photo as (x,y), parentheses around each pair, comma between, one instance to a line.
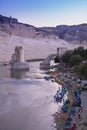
(12,27)
(72,34)
(4,19)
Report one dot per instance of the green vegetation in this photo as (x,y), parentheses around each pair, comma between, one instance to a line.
(66,56)
(80,51)
(77,59)
(82,69)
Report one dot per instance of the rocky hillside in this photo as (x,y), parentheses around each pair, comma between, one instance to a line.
(37,42)
(12,27)
(72,34)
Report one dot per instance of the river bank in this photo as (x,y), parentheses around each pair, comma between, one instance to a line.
(69,79)
(28,103)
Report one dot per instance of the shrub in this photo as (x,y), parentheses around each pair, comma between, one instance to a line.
(79,51)
(83,69)
(66,56)
(75,60)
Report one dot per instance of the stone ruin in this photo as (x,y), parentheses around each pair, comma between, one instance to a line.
(45,65)
(17,62)
(61,50)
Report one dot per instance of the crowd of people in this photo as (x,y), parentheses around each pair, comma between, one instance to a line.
(72,105)
(73,112)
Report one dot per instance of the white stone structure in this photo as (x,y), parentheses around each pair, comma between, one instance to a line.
(17,61)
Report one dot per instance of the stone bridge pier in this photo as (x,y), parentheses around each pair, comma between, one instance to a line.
(46,63)
(17,61)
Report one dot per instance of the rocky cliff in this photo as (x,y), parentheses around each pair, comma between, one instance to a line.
(72,34)
(11,26)
(37,42)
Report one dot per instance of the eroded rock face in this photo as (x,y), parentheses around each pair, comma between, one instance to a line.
(12,27)
(72,33)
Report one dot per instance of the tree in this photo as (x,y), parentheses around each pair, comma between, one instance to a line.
(86,53)
(75,60)
(82,69)
(66,56)
(79,51)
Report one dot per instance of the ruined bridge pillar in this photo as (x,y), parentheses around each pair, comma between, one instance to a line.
(19,52)
(17,61)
